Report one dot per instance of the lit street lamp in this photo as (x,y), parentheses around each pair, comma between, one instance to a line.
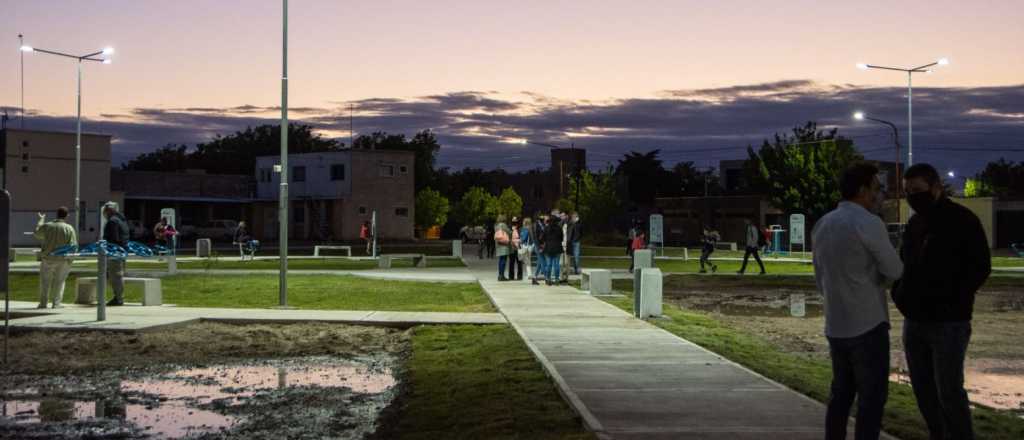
(78,125)
(896,139)
(910,93)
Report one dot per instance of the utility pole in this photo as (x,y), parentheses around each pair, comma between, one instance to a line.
(283,208)
(21,42)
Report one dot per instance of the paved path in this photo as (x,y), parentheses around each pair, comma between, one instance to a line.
(135,318)
(631,380)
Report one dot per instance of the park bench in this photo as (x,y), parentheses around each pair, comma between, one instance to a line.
(152,295)
(596,281)
(418,260)
(317,248)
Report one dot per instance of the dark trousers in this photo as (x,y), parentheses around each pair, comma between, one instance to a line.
(935,357)
(514,264)
(705,254)
(860,368)
(746,256)
(502,259)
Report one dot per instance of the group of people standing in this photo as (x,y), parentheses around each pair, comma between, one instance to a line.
(943,261)
(538,250)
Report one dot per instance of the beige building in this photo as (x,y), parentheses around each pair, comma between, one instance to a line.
(38,170)
(332,193)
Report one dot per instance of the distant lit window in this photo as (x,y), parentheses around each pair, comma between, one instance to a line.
(338,171)
(402,212)
(387,171)
(298,174)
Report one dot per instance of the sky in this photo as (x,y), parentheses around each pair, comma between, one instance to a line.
(700,80)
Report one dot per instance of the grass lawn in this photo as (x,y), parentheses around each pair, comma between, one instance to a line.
(322,292)
(811,377)
(477,382)
(724,267)
(273,264)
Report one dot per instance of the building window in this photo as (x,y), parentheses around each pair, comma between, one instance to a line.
(265,175)
(387,171)
(403,169)
(338,171)
(299,214)
(298,174)
(402,212)
(362,210)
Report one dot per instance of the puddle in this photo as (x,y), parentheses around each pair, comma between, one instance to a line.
(1003,391)
(240,399)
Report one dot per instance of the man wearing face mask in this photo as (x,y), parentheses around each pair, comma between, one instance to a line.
(853,262)
(946,258)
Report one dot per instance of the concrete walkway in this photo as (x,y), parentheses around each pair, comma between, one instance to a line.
(135,318)
(631,380)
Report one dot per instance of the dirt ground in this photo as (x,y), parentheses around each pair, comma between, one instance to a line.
(995,364)
(220,377)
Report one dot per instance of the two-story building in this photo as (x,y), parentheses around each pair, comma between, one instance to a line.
(332,193)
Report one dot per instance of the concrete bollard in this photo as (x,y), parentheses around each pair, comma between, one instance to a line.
(642,258)
(457,248)
(203,247)
(596,281)
(172,264)
(797,305)
(647,293)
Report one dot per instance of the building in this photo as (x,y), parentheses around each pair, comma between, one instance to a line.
(196,197)
(332,193)
(539,189)
(38,169)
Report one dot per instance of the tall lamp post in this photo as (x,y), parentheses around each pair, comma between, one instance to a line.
(283,202)
(910,96)
(78,118)
(896,139)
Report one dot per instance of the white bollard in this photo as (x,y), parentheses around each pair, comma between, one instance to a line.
(457,248)
(797,305)
(647,293)
(172,264)
(642,258)
(203,247)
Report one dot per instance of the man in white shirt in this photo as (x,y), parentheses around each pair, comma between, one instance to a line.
(853,262)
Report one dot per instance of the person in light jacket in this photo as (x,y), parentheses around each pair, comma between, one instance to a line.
(53,269)
(752,234)
(502,245)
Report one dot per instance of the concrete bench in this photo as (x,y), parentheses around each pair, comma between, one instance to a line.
(596,281)
(316,249)
(152,295)
(728,245)
(418,260)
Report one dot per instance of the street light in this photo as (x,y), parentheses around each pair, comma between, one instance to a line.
(78,118)
(283,202)
(896,139)
(910,94)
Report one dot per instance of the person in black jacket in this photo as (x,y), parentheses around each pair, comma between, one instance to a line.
(539,229)
(116,232)
(553,248)
(575,234)
(946,260)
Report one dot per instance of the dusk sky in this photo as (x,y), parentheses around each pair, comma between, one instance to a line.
(697,79)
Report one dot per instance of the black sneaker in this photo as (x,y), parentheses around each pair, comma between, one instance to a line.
(115,302)
(703,271)
(714,269)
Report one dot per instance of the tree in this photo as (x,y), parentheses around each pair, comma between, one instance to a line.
(170,157)
(509,203)
(799,171)
(598,201)
(431,208)
(1001,178)
(642,172)
(693,181)
(476,207)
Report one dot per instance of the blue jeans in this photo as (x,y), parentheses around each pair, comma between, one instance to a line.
(576,256)
(542,265)
(554,267)
(935,357)
(860,368)
(502,259)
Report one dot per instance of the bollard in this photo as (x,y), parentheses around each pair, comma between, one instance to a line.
(203,247)
(642,258)
(457,248)
(172,264)
(647,293)
(797,305)
(101,282)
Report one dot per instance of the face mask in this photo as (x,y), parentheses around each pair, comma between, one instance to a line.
(921,202)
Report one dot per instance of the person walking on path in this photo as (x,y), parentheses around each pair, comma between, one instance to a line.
(158,232)
(365,235)
(503,245)
(639,242)
(514,263)
(116,232)
(753,243)
(526,249)
(946,258)
(53,269)
(553,249)
(853,263)
(710,238)
(575,234)
(539,232)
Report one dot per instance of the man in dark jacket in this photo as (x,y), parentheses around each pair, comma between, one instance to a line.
(946,260)
(116,232)
(575,234)
(538,240)
(553,248)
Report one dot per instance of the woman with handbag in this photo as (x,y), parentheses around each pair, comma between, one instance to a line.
(502,245)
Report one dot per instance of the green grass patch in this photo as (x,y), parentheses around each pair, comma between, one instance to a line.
(693,265)
(809,376)
(477,382)
(274,264)
(319,292)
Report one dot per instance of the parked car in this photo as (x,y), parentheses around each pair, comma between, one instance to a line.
(472,233)
(218,230)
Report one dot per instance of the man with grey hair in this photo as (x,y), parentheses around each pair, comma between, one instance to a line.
(116,232)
